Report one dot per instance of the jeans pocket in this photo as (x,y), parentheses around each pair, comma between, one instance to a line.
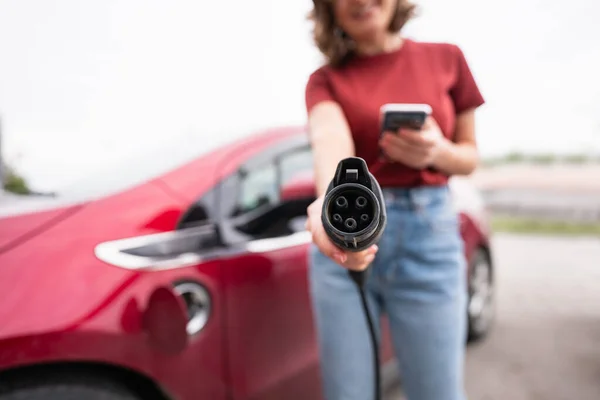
(446,222)
(440,216)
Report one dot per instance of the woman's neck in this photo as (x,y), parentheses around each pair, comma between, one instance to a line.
(384,44)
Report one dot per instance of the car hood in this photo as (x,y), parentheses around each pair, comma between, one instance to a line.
(24,217)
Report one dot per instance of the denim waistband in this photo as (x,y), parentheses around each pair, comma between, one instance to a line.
(420,196)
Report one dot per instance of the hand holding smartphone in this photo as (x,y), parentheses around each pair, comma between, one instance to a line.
(396,116)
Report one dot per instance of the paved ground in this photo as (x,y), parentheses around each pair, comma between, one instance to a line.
(546,341)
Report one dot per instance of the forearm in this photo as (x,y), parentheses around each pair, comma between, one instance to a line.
(457,159)
(331,141)
(329,148)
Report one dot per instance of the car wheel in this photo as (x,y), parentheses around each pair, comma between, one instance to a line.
(481,303)
(66,389)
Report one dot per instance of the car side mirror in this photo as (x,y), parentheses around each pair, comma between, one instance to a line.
(300,187)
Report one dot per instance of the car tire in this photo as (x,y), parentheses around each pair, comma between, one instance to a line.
(481,296)
(66,388)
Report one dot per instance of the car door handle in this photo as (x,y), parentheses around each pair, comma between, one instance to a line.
(184,248)
(159,251)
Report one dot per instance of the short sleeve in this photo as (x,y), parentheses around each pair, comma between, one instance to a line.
(317,89)
(464,92)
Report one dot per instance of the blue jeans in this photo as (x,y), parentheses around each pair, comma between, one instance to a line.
(418,280)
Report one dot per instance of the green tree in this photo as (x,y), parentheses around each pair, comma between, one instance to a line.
(13,182)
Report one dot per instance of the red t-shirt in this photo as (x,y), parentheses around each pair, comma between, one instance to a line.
(418,72)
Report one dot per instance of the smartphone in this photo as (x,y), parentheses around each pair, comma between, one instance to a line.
(394,116)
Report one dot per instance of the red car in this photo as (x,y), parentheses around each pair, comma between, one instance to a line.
(180,276)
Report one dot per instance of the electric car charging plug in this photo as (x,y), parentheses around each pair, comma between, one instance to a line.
(354,214)
(354,218)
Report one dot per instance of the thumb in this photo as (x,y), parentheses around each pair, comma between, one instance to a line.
(307,224)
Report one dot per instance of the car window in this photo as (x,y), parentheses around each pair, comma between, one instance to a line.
(298,162)
(258,187)
(261,185)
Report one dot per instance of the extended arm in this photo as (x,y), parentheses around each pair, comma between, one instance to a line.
(331,141)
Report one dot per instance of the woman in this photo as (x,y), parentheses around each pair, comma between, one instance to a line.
(417,269)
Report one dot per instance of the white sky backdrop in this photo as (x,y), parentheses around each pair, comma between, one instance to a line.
(84,83)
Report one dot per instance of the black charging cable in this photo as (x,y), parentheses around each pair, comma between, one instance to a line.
(354,218)
(359,278)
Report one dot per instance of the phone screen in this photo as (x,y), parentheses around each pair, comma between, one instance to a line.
(394,120)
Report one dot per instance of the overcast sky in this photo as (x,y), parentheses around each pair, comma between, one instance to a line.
(89,82)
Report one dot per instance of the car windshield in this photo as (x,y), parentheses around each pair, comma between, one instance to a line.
(143,166)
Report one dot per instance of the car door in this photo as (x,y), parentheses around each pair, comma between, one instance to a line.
(271,344)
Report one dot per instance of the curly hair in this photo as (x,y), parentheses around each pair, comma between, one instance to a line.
(335,44)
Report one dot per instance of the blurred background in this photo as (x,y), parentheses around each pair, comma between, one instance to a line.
(86,84)
(83,81)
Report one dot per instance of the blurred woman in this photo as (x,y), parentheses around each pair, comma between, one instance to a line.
(417,269)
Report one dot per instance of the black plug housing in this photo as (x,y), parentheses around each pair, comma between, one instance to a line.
(354,214)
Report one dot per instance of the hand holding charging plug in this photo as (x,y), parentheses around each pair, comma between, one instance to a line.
(353,213)
(349,219)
